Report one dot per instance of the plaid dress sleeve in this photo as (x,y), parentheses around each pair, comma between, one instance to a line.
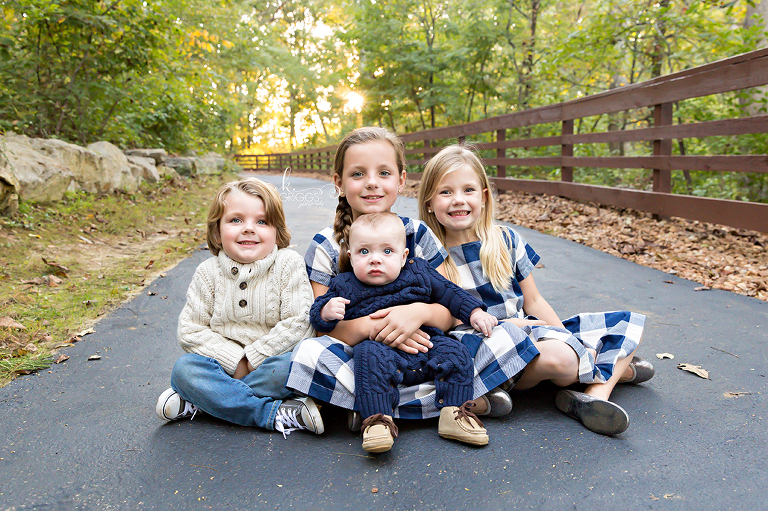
(322,257)
(422,242)
(523,255)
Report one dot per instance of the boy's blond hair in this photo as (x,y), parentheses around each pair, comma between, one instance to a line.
(273,207)
(494,254)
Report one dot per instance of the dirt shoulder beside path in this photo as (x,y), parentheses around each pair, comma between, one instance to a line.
(716,256)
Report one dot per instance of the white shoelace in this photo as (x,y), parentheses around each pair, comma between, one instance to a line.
(189,408)
(285,421)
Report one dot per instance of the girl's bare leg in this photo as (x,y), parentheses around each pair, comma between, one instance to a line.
(603,390)
(556,361)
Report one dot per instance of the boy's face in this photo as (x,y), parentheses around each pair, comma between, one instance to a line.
(245,235)
(377,256)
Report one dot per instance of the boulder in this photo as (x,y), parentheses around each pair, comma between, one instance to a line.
(184,165)
(167,171)
(147,167)
(9,189)
(117,173)
(40,177)
(159,155)
(84,164)
(211,163)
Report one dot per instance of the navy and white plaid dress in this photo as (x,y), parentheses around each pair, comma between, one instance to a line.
(323,367)
(613,335)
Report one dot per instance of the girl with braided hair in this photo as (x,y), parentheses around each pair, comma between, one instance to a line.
(369,172)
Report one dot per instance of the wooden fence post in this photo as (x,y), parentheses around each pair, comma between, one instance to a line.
(566,151)
(501,152)
(662,178)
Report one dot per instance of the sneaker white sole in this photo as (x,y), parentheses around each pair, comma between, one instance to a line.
(312,416)
(163,402)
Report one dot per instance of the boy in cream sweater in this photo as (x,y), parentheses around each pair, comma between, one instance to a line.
(247,307)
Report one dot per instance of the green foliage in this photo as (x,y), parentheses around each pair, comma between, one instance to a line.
(274,76)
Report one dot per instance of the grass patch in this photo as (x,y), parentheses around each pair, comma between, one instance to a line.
(67,264)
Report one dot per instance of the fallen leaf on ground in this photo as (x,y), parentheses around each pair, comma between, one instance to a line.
(701,288)
(37,281)
(45,280)
(150,264)
(84,332)
(58,268)
(668,282)
(662,356)
(697,370)
(94,357)
(736,394)
(62,358)
(53,280)
(6,322)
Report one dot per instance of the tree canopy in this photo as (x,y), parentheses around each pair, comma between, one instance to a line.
(279,75)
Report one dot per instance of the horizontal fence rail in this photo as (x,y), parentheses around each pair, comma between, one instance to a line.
(660,94)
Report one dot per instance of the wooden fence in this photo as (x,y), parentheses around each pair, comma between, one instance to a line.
(733,74)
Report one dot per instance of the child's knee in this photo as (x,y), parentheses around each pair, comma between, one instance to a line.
(561,363)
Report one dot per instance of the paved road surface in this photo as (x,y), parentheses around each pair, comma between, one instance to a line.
(85,436)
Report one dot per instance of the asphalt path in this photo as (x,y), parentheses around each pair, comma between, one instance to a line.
(84,435)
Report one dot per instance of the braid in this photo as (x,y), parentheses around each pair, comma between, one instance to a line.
(341,224)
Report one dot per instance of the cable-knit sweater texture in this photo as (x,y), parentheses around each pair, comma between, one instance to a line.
(257,310)
(417,282)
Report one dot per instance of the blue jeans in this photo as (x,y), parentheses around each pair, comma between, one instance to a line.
(252,401)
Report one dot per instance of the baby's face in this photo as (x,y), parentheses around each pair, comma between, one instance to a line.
(377,256)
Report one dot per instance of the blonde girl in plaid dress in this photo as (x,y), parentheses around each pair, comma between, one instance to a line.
(495,264)
(369,172)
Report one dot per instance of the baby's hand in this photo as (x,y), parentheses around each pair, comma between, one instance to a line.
(481,320)
(334,309)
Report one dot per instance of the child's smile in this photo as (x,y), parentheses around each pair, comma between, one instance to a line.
(458,205)
(370,178)
(246,236)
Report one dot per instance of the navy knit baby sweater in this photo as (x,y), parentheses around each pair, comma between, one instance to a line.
(417,282)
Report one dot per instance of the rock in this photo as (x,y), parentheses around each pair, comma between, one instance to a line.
(159,155)
(117,173)
(211,163)
(9,189)
(167,171)
(83,164)
(40,177)
(184,165)
(147,167)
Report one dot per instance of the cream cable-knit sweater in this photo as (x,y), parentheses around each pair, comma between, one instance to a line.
(258,310)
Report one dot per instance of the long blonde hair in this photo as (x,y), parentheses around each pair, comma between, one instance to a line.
(494,254)
(343,219)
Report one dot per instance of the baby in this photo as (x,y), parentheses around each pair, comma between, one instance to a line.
(383,276)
